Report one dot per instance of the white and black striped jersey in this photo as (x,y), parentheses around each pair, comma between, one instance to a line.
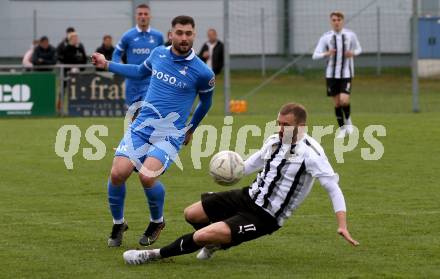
(287,173)
(338,66)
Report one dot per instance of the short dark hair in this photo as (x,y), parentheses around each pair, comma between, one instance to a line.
(337,14)
(298,111)
(184,20)
(44,38)
(143,6)
(106,37)
(70,30)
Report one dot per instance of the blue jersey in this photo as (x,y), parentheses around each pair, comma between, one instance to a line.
(175,83)
(137,46)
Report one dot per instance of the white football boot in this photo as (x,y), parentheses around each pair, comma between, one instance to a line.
(348,126)
(140,256)
(207,252)
(342,132)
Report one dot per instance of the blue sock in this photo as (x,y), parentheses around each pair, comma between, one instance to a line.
(116,198)
(156,199)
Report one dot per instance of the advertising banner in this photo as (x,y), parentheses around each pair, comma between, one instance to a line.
(30,94)
(96,95)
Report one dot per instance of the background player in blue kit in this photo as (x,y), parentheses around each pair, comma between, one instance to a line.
(155,137)
(137,44)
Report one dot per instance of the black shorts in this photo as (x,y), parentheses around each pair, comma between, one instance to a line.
(246,220)
(338,85)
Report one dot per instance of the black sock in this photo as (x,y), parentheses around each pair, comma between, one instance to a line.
(183,245)
(346,110)
(339,116)
(198,226)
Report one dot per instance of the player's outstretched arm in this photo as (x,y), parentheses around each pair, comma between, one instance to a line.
(330,183)
(126,70)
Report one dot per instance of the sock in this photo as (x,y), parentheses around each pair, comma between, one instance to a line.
(156,199)
(155,254)
(339,116)
(183,245)
(346,110)
(198,226)
(116,198)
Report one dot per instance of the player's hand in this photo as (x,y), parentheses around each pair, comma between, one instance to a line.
(330,53)
(349,54)
(99,60)
(188,137)
(345,234)
(205,54)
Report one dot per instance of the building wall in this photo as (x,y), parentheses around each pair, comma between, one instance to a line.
(91,19)
(308,20)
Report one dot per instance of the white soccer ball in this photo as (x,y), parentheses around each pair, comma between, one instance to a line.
(226,167)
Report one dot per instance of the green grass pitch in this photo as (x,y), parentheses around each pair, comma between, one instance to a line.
(54,222)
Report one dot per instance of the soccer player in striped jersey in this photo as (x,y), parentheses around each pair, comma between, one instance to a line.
(339,46)
(287,163)
(155,137)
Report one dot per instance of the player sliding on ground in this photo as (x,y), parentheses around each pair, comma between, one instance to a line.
(153,140)
(287,165)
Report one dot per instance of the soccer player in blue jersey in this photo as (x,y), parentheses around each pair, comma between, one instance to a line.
(137,44)
(155,137)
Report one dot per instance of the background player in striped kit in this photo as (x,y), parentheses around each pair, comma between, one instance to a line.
(339,46)
(137,44)
(287,163)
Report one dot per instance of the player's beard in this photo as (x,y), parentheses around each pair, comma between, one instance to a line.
(289,136)
(183,47)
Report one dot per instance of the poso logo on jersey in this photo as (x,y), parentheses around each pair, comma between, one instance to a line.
(168,79)
(15,98)
(141,51)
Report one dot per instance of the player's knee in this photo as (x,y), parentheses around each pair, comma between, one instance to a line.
(203,237)
(147,181)
(190,217)
(117,176)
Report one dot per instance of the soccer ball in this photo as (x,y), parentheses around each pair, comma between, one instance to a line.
(226,167)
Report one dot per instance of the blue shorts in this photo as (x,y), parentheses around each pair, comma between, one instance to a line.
(141,148)
(135,93)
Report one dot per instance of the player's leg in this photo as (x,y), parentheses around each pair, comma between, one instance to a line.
(154,190)
(120,171)
(344,100)
(213,207)
(196,216)
(216,233)
(338,110)
(233,231)
(339,116)
(333,91)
